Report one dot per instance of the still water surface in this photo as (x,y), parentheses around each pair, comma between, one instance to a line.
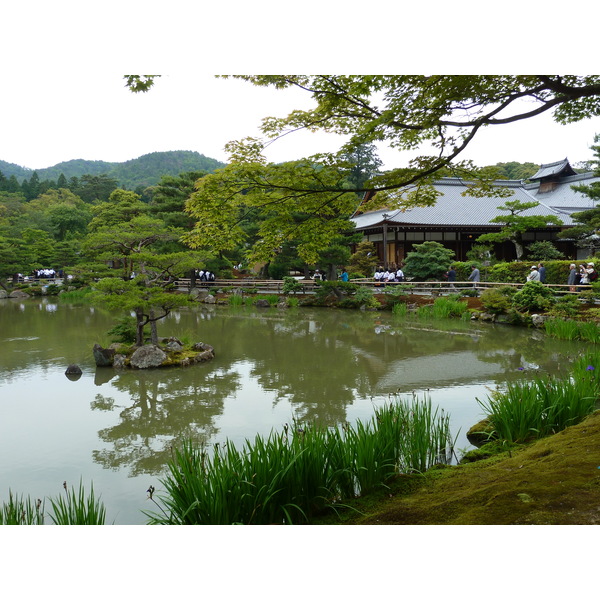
(116,428)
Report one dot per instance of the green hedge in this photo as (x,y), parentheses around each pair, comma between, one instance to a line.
(557,271)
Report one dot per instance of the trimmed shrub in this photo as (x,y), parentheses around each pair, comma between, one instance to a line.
(533,296)
(495,302)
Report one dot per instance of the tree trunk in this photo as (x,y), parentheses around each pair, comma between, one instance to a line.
(153,329)
(139,333)
(331,273)
(518,249)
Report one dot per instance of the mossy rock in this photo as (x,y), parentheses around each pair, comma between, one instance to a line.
(486,451)
(481,433)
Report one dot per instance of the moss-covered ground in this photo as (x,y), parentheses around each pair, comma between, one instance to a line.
(552,481)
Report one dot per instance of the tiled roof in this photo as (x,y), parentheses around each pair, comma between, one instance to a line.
(563,196)
(552,169)
(455,209)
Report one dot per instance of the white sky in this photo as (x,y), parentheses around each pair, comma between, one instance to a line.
(62,95)
(59,117)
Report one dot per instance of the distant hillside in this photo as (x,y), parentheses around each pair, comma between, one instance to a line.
(143,171)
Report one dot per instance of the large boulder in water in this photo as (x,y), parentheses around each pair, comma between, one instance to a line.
(104,357)
(147,357)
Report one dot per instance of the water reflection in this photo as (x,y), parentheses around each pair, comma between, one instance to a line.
(160,410)
(271,366)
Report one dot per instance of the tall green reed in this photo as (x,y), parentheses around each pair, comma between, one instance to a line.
(562,329)
(77,507)
(532,409)
(288,477)
(446,307)
(21,511)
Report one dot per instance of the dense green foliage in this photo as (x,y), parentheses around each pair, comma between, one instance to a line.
(439,115)
(516,223)
(428,261)
(75,508)
(132,174)
(515,170)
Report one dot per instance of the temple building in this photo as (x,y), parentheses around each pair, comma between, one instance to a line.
(457,220)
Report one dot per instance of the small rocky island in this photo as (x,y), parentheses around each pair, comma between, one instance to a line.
(170,352)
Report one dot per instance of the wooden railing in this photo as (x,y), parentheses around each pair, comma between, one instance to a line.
(275,286)
(419,287)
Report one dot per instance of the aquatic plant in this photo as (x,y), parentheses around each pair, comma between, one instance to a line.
(77,296)
(290,476)
(400,309)
(236,300)
(573,330)
(21,511)
(562,329)
(77,508)
(446,307)
(272,299)
(589,331)
(533,409)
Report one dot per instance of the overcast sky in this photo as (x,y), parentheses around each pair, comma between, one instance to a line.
(62,95)
(59,117)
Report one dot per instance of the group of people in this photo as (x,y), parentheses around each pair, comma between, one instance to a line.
(389,275)
(537,273)
(205,275)
(585,275)
(45,273)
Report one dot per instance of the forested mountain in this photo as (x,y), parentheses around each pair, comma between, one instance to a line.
(143,171)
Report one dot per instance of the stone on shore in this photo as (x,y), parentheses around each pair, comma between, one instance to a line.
(104,357)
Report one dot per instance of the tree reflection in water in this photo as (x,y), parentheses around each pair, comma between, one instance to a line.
(162,412)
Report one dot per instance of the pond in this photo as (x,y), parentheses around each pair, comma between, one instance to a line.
(272,366)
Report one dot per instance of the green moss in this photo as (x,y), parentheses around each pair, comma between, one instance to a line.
(555,480)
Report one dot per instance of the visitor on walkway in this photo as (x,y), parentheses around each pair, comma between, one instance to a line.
(451,276)
(592,273)
(534,274)
(474,276)
(542,271)
(345,275)
(573,278)
(377,276)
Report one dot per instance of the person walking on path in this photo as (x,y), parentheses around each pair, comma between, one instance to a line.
(534,274)
(474,276)
(542,272)
(592,273)
(451,275)
(572,279)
